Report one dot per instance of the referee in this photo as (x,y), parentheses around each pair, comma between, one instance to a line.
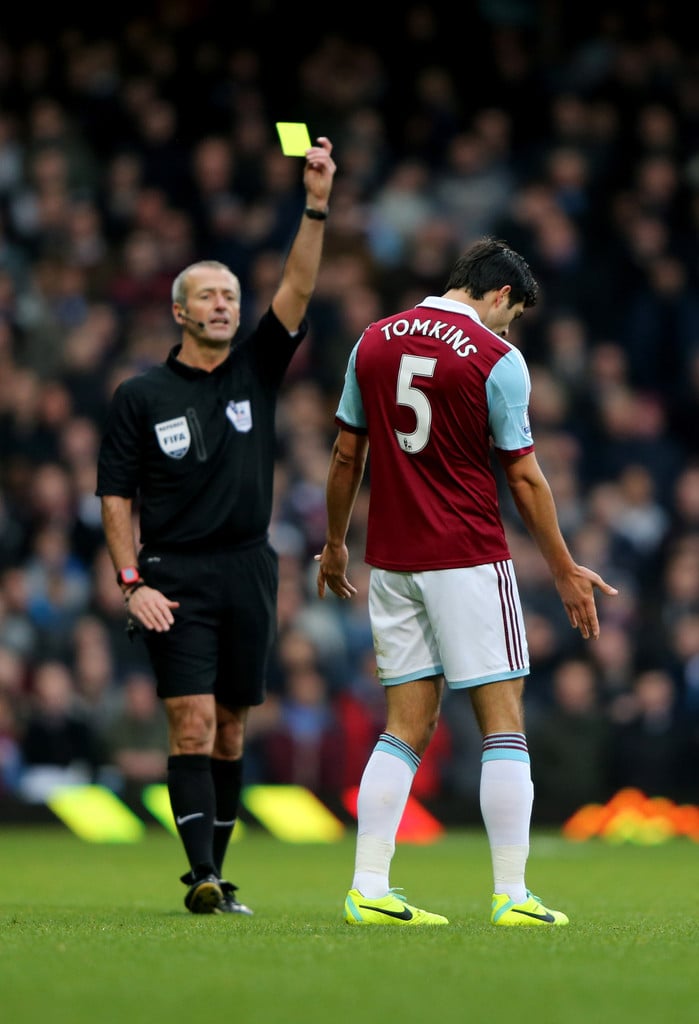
(191,442)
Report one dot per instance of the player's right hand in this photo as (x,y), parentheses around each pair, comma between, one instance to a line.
(332,572)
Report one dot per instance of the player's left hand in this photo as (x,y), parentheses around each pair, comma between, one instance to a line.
(576,590)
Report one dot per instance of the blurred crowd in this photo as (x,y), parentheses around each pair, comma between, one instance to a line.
(127,153)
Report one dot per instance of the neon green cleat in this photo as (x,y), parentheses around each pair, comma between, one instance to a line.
(531,913)
(390,909)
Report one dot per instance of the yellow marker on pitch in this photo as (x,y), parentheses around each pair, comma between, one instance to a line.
(293,813)
(294,137)
(94,813)
(156,799)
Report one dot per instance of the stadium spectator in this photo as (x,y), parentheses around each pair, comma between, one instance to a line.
(651,741)
(135,738)
(10,749)
(570,744)
(305,747)
(57,744)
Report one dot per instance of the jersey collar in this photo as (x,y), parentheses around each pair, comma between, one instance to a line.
(450,306)
(193,372)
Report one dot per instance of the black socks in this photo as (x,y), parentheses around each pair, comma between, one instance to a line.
(204,796)
(193,801)
(227,778)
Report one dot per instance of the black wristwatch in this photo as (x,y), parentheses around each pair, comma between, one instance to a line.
(129,577)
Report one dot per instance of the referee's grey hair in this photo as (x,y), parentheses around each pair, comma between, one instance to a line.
(179,285)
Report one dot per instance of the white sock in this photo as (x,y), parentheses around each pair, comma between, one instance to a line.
(506,796)
(383,794)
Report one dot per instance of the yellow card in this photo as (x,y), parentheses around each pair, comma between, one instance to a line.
(294,138)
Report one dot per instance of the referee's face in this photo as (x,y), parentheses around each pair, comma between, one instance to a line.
(211,314)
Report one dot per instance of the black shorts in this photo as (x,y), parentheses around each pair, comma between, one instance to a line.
(224,627)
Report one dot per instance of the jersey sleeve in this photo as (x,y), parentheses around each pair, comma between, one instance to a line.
(119,456)
(350,411)
(508,388)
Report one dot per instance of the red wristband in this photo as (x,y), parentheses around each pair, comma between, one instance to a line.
(129,577)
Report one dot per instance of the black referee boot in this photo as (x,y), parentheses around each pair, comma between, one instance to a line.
(229,903)
(205,895)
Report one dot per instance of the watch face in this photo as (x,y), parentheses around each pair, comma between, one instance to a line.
(129,575)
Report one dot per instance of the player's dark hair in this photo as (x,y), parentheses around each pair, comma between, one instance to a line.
(489,264)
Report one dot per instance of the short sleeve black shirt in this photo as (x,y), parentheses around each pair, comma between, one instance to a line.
(197,448)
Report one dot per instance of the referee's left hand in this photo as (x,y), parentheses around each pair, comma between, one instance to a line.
(152,609)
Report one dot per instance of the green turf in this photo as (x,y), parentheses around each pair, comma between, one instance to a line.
(94,933)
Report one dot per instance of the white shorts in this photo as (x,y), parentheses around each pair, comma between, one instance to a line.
(464,624)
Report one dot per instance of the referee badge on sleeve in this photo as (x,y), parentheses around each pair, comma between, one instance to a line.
(174,437)
(240,415)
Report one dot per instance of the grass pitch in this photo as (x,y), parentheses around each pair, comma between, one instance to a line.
(94,933)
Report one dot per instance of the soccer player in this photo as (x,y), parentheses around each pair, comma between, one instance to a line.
(434,390)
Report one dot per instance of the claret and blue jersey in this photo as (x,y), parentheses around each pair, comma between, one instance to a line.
(435,389)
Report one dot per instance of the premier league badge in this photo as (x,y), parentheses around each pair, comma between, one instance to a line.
(240,415)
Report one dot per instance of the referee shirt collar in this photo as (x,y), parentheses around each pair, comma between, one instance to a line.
(192,372)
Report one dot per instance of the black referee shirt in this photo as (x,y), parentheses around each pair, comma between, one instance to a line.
(197,449)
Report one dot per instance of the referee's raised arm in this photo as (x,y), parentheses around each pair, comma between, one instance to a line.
(291,299)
